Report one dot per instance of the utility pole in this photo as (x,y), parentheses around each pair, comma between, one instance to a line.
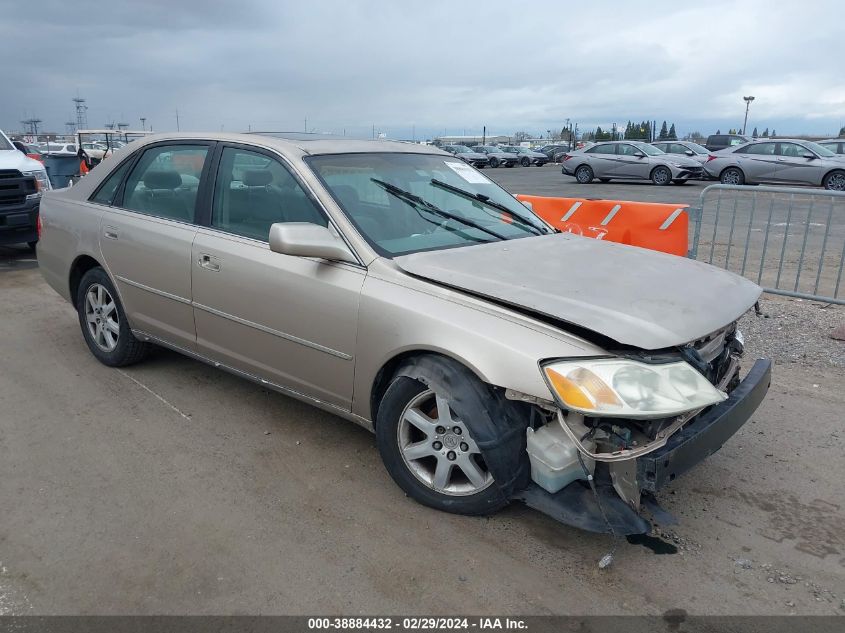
(748,101)
(143,123)
(81,112)
(484,136)
(177,120)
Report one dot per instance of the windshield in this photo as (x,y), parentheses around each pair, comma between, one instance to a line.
(818,149)
(698,149)
(651,150)
(406,203)
(4,143)
(461,149)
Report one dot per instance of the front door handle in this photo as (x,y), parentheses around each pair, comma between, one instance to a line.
(209,262)
(110,232)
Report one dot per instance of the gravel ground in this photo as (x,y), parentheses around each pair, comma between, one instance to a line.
(795,331)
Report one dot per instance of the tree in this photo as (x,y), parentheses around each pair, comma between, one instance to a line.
(732,131)
(773,132)
(673,135)
(754,133)
(766,133)
(664,132)
(718,131)
(842,131)
(696,136)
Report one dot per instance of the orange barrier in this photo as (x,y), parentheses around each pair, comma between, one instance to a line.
(660,227)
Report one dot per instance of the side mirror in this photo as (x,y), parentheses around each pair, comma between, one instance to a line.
(304,239)
(639,154)
(809,156)
(689,152)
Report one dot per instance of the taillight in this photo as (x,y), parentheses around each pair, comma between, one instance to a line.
(38,225)
(566,157)
(711,157)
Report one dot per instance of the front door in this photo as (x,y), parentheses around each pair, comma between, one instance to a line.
(146,238)
(795,168)
(759,162)
(633,163)
(289,320)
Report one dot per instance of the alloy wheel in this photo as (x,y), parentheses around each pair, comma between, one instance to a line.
(101,317)
(438,449)
(836,182)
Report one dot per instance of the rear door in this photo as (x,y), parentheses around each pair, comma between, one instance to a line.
(146,238)
(289,320)
(794,166)
(602,158)
(758,162)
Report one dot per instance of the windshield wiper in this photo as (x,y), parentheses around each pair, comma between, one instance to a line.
(480,197)
(419,203)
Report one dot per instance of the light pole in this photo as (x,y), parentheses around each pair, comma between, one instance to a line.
(748,101)
(144,123)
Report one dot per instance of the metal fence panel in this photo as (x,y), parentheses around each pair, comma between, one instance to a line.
(790,241)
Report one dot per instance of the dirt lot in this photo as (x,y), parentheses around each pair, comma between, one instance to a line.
(171,487)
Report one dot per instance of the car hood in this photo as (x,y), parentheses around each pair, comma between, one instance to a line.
(632,295)
(14,159)
(502,155)
(472,155)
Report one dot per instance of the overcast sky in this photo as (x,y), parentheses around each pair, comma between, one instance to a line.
(423,67)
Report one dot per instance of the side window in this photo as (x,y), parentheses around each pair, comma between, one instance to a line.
(253,191)
(625,149)
(765,149)
(165,181)
(663,147)
(105,194)
(610,148)
(793,150)
(677,148)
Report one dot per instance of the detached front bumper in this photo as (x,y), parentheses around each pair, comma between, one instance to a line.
(576,505)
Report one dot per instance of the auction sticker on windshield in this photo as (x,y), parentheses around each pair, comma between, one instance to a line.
(467,173)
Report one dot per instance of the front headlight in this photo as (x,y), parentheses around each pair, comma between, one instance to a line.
(42,183)
(615,387)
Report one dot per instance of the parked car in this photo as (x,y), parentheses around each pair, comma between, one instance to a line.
(629,160)
(716,142)
(65,149)
(22,182)
(476,159)
(526,155)
(30,151)
(781,161)
(554,150)
(684,148)
(497,156)
(394,286)
(96,151)
(835,145)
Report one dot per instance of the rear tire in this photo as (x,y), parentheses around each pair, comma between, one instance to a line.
(732,176)
(584,174)
(526,162)
(834,181)
(416,454)
(104,324)
(494,162)
(661,176)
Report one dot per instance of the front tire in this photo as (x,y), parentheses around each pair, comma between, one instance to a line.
(584,174)
(834,181)
(661,176)
(526,162)
(494,162)
(430,453)
(732,176)
(104,324)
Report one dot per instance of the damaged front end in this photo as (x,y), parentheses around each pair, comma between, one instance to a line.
(626,426)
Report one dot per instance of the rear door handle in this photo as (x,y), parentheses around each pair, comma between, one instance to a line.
(109,232)
(209,262)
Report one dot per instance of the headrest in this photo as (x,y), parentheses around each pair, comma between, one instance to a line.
(257,177)
(347,193)
(162,179)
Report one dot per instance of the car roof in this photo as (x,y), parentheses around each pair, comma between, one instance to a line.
(298,144)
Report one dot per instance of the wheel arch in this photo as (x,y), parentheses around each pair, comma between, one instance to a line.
(830,171)
(391,367)
(81,265)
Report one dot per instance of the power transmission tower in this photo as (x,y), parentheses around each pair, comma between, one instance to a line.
(81,113)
